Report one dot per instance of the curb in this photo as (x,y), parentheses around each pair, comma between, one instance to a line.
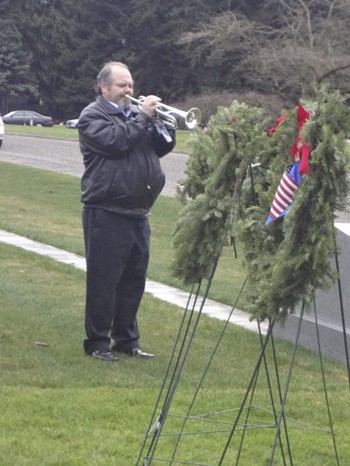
(163,292)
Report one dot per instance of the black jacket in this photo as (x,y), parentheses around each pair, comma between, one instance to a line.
(121,158)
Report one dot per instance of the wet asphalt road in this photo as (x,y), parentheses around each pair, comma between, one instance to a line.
(64,157)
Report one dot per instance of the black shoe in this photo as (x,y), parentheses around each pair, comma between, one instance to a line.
(104,355)
(135,353)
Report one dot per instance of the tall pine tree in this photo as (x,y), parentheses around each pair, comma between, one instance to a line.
(14,66)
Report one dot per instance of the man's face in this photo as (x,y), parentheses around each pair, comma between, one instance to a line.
(122,84)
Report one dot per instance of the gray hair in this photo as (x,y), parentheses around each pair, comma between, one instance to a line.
(106,74)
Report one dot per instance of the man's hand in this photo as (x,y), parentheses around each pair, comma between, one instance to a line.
(150,104)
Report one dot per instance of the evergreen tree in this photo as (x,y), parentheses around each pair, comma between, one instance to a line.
(48,34)
(93,36)
(160,65)
(14,66)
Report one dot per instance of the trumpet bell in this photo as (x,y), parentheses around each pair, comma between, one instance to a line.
(193,118)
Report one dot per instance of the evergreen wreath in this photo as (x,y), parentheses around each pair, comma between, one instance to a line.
(290,257)
(216,172)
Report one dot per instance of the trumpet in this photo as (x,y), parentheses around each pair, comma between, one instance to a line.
(192,117)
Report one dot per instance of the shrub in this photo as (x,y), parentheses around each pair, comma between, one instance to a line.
(209,103)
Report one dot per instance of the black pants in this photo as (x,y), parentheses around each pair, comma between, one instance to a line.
(117,254)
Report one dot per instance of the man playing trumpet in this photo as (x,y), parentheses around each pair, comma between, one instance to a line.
(121,145)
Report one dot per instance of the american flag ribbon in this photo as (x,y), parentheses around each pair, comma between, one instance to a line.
(284,196)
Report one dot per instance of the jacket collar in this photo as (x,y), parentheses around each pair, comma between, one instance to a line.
(115,109)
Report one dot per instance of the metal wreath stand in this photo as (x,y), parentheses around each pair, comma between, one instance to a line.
(235,422)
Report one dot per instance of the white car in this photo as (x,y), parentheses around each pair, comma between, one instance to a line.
(2,131)
(72,123)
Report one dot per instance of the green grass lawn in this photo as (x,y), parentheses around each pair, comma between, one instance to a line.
(59,407)
(48,210)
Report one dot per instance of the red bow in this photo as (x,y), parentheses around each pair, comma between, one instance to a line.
(278,121)
(300,150)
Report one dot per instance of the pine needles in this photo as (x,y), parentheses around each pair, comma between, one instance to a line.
(233,173)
